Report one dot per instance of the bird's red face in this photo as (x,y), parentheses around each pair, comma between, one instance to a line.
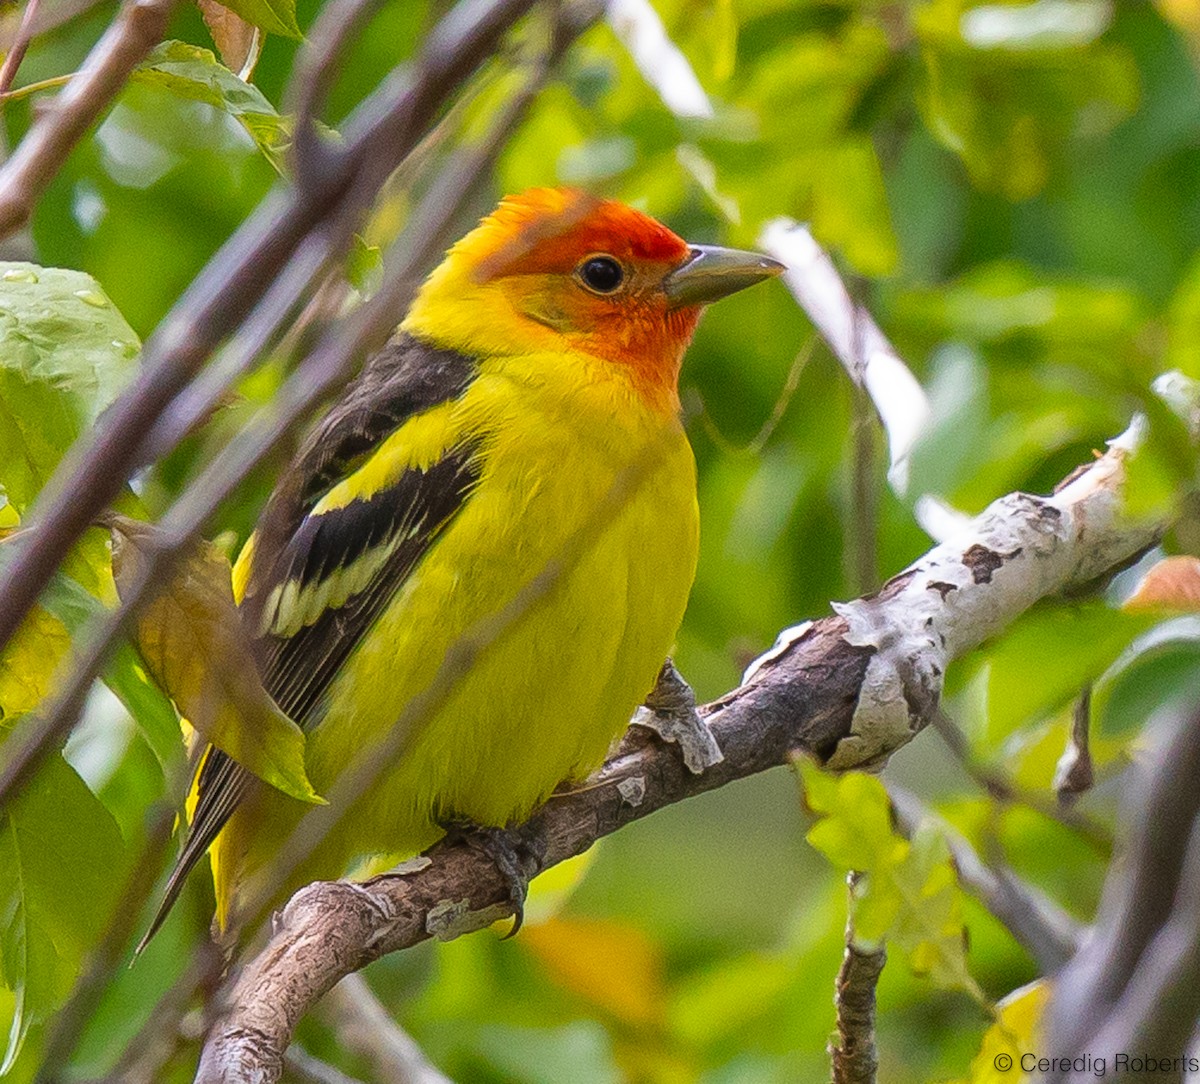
(598,277)
(593,271)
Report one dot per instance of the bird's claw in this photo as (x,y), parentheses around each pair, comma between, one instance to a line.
(670,711)
(508,851)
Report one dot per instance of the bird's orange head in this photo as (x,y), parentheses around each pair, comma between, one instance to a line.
(560,270)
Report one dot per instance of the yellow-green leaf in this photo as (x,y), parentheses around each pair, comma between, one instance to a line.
(907,892)
(190,637)
(1013,1034)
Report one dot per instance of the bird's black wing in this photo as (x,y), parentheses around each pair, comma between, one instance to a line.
(398,524)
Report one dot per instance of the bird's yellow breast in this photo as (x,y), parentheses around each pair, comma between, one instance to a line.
(582,532)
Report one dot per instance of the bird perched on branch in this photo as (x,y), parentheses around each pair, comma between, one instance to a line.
(514,456)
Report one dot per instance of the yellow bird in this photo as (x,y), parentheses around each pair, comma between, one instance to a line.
(536,372)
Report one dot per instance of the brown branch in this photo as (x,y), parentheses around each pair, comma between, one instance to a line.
(1135,986)
(16,52)
(140,26)
(97,471)
(378,136)
(364,1027)
(834,692)
(855,1058)
(1048,933)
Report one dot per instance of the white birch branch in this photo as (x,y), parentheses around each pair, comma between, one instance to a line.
(849,689)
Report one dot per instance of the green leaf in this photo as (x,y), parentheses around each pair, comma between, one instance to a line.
(65,353)
(364,266)
(907,891)
(190,636)
(1159,670)
(61,858)
(1010,114)
(29,663)
(191,72)
(1065,646)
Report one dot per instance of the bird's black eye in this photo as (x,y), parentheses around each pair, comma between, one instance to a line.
(601,273)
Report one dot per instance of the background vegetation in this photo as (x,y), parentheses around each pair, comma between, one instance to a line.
(1014,192)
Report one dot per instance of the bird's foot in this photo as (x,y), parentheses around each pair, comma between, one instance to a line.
(511,853)
(670,711)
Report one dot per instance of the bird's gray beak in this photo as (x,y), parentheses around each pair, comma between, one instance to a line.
(713,273)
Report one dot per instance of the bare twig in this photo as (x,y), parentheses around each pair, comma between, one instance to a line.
(366,1028)
(1000,787)
(315,68)
(1049,934)
(855,1058)
(1136,983)
(758,442)
(831,692)
(1075,774)
(16,52)
(115,448)
(383,129)
(139,27)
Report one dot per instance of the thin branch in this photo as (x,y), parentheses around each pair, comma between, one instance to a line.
(92,482)
(29,89)
(1139,975)
(863,543)
(1075,774)
(382,130)
(140,26)
(834,691)
(1049,934)
(870,360)
(855,1058)
(16,52)
(364,1027)
(315,70)
(1002,788)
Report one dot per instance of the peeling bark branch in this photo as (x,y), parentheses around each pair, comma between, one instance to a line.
(850,689)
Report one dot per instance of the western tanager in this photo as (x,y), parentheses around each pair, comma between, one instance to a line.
(537,365)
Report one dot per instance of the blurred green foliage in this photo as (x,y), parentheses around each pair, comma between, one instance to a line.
(1013,189)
